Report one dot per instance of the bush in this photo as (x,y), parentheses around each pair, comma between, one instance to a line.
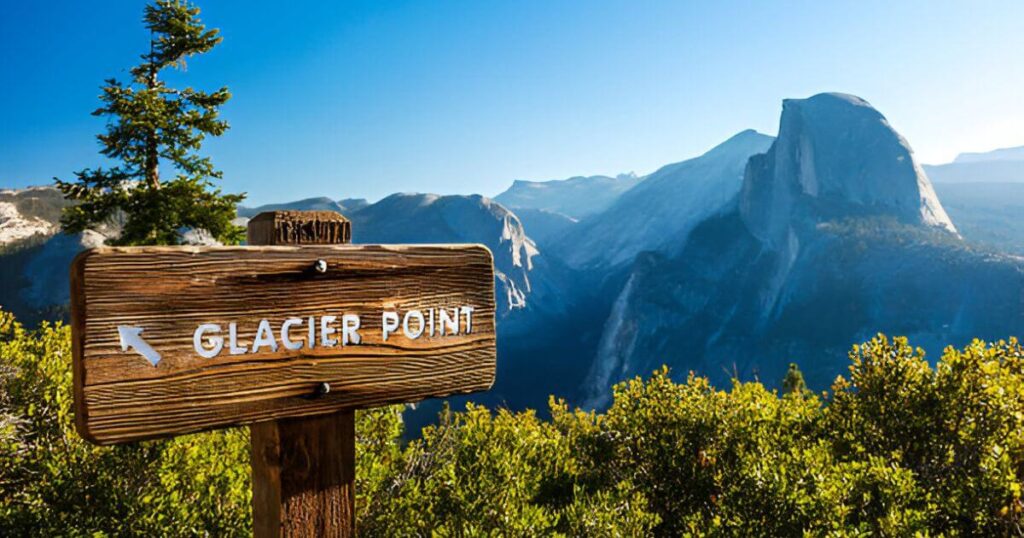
(899,448)
(53,483)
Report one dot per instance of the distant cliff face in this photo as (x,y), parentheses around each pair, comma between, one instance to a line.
(835,156)
(29,213)
(575,197)
(429,218)
(34,256)
(545,227)
(836,235)
(659,212)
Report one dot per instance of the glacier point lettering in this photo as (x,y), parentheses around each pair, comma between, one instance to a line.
(211,340)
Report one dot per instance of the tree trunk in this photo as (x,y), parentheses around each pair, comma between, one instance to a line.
(152,155)
(152,162)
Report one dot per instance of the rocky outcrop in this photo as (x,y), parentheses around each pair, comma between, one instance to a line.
(836,234)
(29,214)
(430,218)
(835,156)
(660,211)
(545,227)
(575,197)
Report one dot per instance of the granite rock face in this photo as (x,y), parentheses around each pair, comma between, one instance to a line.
(431,218)
(835,156)
(836,235)
(659,212)
(29,214)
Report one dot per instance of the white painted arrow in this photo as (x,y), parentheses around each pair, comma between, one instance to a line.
(131,337)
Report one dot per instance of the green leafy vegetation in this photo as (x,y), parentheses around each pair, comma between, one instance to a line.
(52,483)
(151,124)
(896,448)
(890,231)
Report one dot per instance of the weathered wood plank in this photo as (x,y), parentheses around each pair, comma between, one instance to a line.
(299,228)
(303,476)
(169,292)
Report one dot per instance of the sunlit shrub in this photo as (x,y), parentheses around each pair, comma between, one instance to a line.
(896,448)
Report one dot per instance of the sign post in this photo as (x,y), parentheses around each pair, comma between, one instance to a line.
(303,469)
(289,334)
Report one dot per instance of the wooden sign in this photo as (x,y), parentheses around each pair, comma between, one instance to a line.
(171,340)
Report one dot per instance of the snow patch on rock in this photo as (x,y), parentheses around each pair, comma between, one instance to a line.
(15,227)
(523,248)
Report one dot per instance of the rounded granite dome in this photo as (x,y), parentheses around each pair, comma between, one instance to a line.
(838,151)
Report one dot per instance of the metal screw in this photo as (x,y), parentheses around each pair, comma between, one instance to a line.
(323,388)
(320,266)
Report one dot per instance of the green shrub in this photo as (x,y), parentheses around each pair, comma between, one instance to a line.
(52,483)
(957,429)
(899,448)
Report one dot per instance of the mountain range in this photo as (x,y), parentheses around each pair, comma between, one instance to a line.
(984,195)
(836,235)
(1004,165)
(762,251)
(576,197)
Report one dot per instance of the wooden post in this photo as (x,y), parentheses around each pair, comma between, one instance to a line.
(303,469)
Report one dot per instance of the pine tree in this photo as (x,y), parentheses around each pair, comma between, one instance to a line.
(150,123)
(794,380)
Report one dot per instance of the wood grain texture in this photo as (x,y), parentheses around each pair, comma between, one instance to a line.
(169,291)
(299,228)
(303,476)
(303,468)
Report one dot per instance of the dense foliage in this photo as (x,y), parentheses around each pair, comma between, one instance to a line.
(896,448)
(52,483)
(151,124)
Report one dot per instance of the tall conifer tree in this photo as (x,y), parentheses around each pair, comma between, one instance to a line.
(152,124)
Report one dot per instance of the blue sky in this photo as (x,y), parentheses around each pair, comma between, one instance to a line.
(362,99)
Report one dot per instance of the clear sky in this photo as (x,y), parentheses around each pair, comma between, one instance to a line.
(362,99)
